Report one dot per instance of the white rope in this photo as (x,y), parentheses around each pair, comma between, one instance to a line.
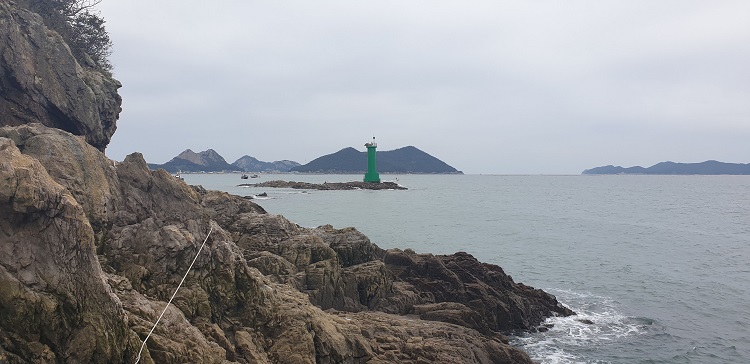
(174,294)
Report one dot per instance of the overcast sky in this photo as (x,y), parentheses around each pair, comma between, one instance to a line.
(492,87)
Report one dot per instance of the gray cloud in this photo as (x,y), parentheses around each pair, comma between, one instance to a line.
(531,87)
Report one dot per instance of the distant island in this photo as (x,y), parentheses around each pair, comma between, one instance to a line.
(346,161)
(403,160)
(671,168)
(210,161)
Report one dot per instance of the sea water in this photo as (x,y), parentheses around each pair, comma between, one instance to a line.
(659,264)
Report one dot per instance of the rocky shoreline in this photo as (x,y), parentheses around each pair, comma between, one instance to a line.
(91,250)
(328,186)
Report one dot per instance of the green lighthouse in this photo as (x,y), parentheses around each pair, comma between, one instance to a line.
(372,169)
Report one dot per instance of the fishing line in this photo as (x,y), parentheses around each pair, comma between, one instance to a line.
(174,294)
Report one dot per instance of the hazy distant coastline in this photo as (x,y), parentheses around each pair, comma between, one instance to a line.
(671,168)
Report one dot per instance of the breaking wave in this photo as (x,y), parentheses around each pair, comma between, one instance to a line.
(576,339)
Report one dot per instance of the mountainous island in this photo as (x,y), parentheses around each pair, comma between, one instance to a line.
(352,161)
(92,249)
(210,161)
(671,168)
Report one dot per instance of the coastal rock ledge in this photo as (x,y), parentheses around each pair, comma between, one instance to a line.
(91,250)
(327,186)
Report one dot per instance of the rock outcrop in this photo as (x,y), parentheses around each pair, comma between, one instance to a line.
(41,81)
(469,293)
(356,185)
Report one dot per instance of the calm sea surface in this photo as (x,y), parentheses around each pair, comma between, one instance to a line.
(660,264)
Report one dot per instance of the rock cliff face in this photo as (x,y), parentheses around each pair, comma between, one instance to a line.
(41,81)
(91,250)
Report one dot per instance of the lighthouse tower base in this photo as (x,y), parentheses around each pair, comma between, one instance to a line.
(372,175)
(372,178)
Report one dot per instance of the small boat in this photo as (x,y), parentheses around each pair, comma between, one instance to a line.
(254,176)
(244,176)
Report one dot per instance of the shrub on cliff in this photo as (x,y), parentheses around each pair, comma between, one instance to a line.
(81,28)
